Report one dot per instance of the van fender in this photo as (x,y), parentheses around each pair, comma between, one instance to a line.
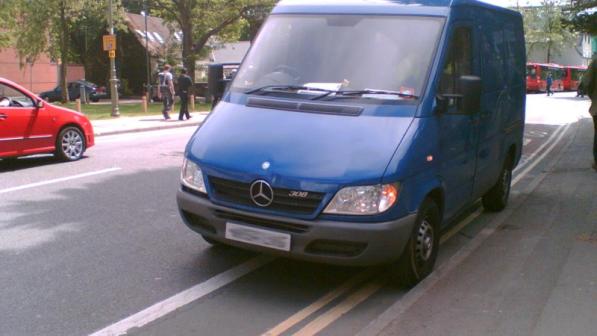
(416,189)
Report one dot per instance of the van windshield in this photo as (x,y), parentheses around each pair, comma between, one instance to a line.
(351,53)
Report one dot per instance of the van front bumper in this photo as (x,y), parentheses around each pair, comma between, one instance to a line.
(333,242)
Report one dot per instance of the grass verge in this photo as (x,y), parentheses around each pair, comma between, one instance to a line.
(104,111)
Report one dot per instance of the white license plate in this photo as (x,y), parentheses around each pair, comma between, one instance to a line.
(265,238)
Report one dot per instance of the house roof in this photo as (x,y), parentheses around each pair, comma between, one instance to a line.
(158,33)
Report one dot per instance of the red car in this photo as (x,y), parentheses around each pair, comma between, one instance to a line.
(28,125)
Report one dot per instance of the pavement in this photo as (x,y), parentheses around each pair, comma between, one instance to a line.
(536,274)
(98,245)
(144,123)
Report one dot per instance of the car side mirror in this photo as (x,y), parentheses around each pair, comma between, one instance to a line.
(470,88)
(40,104)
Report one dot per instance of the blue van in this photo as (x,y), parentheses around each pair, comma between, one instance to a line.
(354,131)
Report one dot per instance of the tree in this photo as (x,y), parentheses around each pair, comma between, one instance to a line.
(582,16)
(7,21)
(544,28)
(199,20)
(48,26)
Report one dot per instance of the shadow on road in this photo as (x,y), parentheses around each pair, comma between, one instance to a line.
(14,164)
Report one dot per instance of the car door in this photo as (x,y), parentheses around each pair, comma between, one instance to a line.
(24,128)
(458,131)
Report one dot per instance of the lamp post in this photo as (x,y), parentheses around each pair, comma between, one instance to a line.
(145,13)
(113,79)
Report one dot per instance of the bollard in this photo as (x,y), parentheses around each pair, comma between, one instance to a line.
(144,103)
(192,101)
(78,105)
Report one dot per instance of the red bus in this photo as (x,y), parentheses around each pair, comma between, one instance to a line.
(537,75)
(572,77)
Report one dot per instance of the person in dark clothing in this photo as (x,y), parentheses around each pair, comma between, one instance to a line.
(549,82)
(589,84)
(185,83)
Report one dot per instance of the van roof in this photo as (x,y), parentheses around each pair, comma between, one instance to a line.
(415,7)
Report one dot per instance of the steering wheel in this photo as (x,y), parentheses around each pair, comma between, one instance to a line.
(288,70)
(15,103)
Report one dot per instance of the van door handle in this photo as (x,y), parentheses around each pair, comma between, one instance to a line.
(3,116)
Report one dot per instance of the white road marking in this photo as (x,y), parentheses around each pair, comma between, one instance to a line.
(394,312)
(181,299)
(58,180)
(540,158)
(335,313)
(543,145)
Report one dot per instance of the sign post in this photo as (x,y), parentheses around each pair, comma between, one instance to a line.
(110,47)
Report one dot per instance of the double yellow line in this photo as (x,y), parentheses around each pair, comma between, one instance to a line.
(374,280)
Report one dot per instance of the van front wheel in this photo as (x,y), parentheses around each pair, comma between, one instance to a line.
(496,198)
(419,256)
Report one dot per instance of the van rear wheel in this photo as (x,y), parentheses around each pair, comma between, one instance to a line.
(497,197)
(418,258)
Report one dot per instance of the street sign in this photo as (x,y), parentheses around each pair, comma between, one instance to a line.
(112,53)
(109,42)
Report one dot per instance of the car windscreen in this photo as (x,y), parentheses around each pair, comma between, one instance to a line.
(342,53)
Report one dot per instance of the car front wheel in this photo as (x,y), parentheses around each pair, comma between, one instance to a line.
(418,258)
(70,144)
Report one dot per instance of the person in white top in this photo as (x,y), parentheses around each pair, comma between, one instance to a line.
(166,90)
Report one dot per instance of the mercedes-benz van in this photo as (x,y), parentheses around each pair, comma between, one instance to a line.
(355,130)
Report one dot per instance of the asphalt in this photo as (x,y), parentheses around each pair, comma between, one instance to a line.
(537,275)
(81,254)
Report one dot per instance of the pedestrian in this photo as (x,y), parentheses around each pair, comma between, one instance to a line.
(590,86)
(185,83)
(549,82)
(580,92)
(166,90)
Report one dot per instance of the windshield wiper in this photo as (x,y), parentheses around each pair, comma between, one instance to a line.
(273,88)
(348,93)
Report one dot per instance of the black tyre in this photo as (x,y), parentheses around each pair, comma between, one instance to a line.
(70,144)
(497,197)
(419,256)
(211,241)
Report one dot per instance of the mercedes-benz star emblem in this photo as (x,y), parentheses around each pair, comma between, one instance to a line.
(262,193)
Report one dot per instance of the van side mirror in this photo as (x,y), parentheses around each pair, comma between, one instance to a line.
(470,88)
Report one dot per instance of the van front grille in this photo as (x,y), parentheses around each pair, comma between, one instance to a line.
(239,193)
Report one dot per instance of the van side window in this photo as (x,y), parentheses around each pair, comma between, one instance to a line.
(459,62)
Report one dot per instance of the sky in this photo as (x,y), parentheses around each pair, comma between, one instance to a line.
(510,3)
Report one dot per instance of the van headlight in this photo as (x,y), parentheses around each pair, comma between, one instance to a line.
(192,176)
(363,200)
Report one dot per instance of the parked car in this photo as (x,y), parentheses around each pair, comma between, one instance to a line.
(346,139)
(94,92)
(29,125)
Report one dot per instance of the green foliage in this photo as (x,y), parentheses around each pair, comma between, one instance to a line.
(582,16)
(200,20)
(52,27)
(7,21)
(544,28)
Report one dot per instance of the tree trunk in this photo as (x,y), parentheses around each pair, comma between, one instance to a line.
(63,52)
(188,54)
